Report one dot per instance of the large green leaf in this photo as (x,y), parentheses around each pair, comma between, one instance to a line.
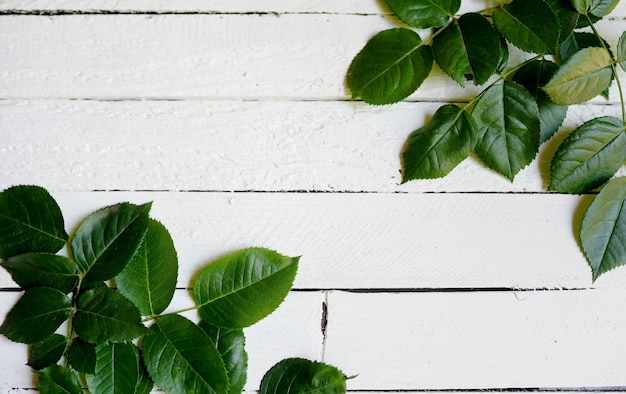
(36,315)
(589,156)
(230,343)
(108,238)
(117,369)
(299,376)
(621,51)
(47,352)
(42,270)
(434,150)
(508,128)
(391,66)
(531,76)
(465,48)
(105,315)
(530,25)
(243,287)
(581,77)
(30,221)
(56,379)
(149,279)
(424,14)
(181,358)
(603,228)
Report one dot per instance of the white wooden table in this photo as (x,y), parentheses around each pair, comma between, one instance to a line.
(234,118)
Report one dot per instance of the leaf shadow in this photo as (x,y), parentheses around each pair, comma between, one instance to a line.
(546,153)
(579,213)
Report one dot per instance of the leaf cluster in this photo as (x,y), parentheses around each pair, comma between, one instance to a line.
(523,105)
(121,274)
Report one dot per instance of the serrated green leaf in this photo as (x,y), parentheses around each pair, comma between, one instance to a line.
(424,14)
(589,156)
(581,77)
(508,127)
(391,66)
(108,238)
(105,315)
(47,352)
(603,229)
(566,15)
(42,270)
(36,315)
(436,149)
(577,41)
(243,287)
(144,384)
(83,356)
(298,376)
(466,47)
(231,345)
(116,369)
(531,76)
(30,221)
(181,358)
(621,51)
(503,55)
(597,8)
(149,279)
(56,379)
(530,25)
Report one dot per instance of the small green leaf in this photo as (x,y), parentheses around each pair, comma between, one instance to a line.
(181,358)
(47,352)
(30,221)
(530,25)
(297,375)
(105,315)
(230,343)
(391,66)
(116,369)
(424,14)
(434,150)
(577,41)
(582,76)
(603,228)
(589,156)
(466,47)
(531,76)
(597,8)
(144,384)
(621,51)
(36,315)
(149,279)
(83,356)
(42,270)
(243,287)
(56,379)
(508,127)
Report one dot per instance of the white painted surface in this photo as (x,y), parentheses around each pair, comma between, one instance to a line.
(160,98)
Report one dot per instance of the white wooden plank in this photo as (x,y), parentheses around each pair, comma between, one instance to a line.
(376,240)
(484,340)
(293,330)
(236,145)
(181,56)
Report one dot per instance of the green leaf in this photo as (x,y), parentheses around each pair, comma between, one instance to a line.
(424,14)
(597,8)
(149,279)
(466,47)
(531,76)
(107,239)
(145,384)
(603,229)
(297,375)
(36,315)
(582,76)
(30,221)
(566,15)
(243,287)
(621,51)
(391,66)
(530,25)
(577,41)
(589,156)
(105,315)
(47,352)
(181,358)
(508,128)
(116,369)
(83,356)
(56,379)
(42,270)
(434,150)
(230,343)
